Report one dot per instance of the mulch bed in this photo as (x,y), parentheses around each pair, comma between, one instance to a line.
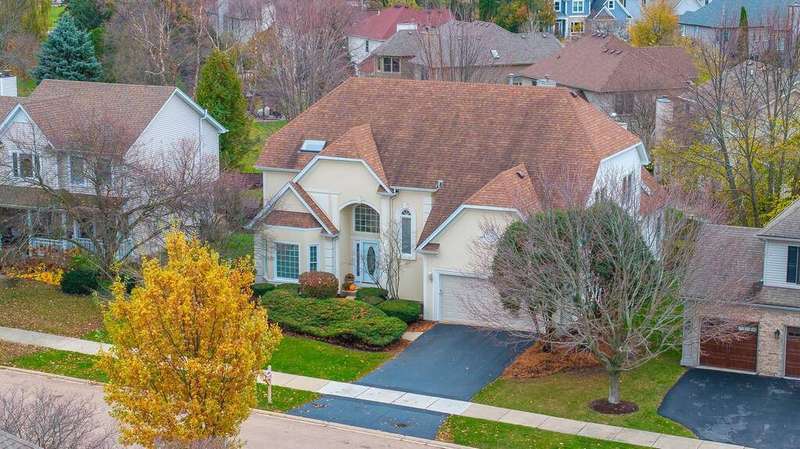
(603,406)
(535,363)
(420,326)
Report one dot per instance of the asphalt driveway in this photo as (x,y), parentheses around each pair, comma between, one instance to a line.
(449,361)
(753,411)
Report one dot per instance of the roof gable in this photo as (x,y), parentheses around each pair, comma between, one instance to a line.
(358,143)
(512,188)
(725,13)
(784,225)
(383,25)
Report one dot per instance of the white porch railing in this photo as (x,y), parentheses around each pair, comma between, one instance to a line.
(48,244)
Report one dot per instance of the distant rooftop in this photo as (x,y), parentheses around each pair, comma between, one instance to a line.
(725,13)
(383,24)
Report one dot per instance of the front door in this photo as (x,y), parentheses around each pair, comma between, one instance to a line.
(792,352)
(366,262)
(561,28)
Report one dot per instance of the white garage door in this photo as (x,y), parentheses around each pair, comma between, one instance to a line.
(472,301)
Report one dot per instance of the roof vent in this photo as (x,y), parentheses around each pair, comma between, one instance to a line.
(439,183)
(574,95)
(313,146)
(521,174)
(495,54)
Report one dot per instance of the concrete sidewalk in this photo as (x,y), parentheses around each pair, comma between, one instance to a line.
(416,401)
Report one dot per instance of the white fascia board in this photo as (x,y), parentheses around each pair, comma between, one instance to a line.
(265,168)
(343,159)
(640,150)
(415,189)
(458,211)
(266,209)
(10,117)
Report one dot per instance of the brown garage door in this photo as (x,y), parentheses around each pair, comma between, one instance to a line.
(739,353)
(793,352)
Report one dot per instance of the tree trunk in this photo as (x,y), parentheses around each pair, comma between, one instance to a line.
(613,387)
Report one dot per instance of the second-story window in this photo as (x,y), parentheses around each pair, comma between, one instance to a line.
(557,5)
(578,7)
(77,171)
(390,64)
(406,232)
(791,265)
(25,165)
(611,4)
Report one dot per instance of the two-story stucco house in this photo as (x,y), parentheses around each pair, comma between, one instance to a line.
(435,160)
(154,120)
(760,279)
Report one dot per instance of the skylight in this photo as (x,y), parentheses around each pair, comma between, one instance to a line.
(313,146)
(495,54)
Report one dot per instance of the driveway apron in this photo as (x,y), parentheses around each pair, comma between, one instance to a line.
(449,361)
(742,409)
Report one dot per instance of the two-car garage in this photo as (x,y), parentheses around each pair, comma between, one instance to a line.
(470,300)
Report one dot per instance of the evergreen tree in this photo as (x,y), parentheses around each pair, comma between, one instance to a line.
(220,91)
(488,9)
(743,39)
(89,14)
(68,54)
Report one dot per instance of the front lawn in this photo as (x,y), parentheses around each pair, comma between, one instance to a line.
(259,134)
(40,307)
(55,14)
(495,435)
(236,246)
(297,355)
(567,394)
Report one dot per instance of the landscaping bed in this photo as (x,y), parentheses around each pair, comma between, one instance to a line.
(567,394)
(344,321)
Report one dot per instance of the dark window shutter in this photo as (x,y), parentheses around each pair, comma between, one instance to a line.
(15,165)
(791,266)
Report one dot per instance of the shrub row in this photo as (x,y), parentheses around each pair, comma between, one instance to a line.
(402,309)
(343,320)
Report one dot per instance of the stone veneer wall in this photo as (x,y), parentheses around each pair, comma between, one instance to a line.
(770,349)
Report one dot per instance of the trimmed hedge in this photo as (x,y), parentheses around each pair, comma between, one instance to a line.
(318,284)
(342,320)
(402,309)
(375,292)
(79,281)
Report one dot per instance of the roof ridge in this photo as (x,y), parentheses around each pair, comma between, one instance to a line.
(103,83)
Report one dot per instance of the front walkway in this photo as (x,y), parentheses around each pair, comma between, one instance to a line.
(417,401)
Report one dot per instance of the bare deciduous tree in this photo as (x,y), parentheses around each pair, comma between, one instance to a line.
(457,51)
(53,421)
(304,53)
(104,196)
(598,277)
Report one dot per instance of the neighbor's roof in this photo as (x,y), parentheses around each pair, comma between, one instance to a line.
(607,64)
(8,441)
(383,25)
(785,225)
(460,133)
(482,44)
(728,261)
(60,107)
(725,13)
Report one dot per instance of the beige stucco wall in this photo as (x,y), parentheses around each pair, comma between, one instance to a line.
(770,349)
(272,181)
(458,252)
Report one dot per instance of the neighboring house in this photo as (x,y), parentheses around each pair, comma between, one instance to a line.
(154,119)
(376,28)
(434,161)
(757,271)
(459,51)
(241,19)
(612,74)
(718,21)
(8,441)
(683,6)
(576,17)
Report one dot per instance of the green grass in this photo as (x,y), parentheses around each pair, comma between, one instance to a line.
(258,135)
(567,395)
(236,246)
(55,14)
(64,363)
(40,307)
(297,355)
(494,435)
(283,399)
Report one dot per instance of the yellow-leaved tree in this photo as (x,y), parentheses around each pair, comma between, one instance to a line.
(189,345)
(658,26)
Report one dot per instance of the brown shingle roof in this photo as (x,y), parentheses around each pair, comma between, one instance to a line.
(325,220)
(358,143)
(511,188)
(58,107)
(463,134)
(608,64)
(292,219)
(653,195)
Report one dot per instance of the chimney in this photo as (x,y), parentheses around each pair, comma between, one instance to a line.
(663,118)
(8,84)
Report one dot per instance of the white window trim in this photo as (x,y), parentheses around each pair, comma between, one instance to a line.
(611,4)
(399,64)
(308,264)
(37,166)
(85,182)
(354,219)
(582,8)
(275,262)
(413,254)
(557,5)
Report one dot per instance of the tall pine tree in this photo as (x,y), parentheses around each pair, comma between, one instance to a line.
(743,38)
(68,54)
(220,91)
